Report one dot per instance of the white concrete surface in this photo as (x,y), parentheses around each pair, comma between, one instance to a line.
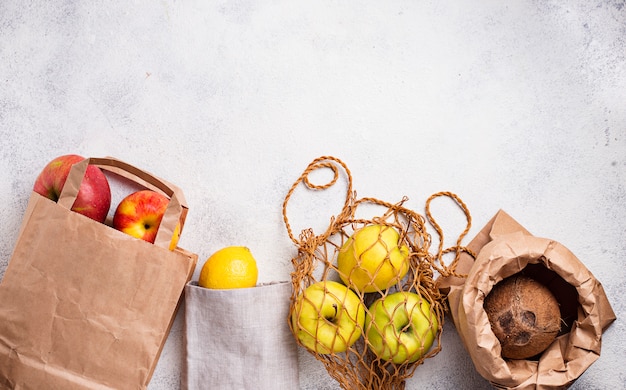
(517,105)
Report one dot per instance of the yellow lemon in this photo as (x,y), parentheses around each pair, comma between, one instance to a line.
(230,267)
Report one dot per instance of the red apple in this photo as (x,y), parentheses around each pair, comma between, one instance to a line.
(94,195)
(140,213)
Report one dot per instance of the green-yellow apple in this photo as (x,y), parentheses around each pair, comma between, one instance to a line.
(401,327)
(371,259)
(139,214)
(94,195)
(327,317)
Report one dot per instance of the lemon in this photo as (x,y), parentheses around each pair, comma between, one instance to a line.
(230,267)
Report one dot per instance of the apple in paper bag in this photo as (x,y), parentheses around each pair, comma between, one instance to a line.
(140,213)
(94,194)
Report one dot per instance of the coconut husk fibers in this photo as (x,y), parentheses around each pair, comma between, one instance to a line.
(524,315)
(505,248)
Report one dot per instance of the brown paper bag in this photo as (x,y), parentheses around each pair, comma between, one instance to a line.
(83,305)
(504,248)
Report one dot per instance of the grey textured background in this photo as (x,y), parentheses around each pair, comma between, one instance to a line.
(515,105)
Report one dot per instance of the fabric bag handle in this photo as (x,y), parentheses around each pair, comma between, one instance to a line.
(175,213)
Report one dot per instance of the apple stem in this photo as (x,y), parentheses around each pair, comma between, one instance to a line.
(335,307)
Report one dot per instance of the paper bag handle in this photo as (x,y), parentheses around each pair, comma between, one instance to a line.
(175,213)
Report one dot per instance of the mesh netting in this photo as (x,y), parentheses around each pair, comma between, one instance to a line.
(364,298)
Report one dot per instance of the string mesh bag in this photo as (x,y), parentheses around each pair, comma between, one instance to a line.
(364,298)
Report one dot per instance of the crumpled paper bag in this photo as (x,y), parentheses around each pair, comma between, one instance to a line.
(85,306)
(504,248)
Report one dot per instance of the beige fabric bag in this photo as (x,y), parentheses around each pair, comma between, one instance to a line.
(239,338)
(82,305)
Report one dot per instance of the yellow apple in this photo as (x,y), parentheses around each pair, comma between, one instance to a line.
(371,259)
(327,317)
(401,327)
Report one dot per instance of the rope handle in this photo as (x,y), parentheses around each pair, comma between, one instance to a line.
(322,162)
(443,269)
(350,204)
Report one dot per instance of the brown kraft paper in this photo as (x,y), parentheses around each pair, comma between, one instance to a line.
(504,248)
(82,305)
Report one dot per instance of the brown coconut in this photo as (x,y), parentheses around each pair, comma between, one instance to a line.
(524,316)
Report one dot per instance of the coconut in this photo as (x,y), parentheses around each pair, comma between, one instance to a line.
(524,316)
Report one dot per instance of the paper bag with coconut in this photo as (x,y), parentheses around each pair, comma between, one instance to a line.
(504,310)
